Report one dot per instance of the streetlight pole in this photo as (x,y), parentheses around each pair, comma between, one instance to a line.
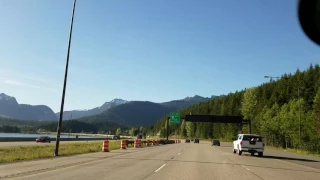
(299,116)
(56,151)
(167,135)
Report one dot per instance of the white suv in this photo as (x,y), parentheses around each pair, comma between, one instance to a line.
(250,143)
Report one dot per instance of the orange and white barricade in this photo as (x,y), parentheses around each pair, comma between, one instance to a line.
(123,144)
(136,143)
(140,143)
(105,146)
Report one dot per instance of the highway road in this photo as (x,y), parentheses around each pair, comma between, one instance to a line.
(175,161)
(32,143)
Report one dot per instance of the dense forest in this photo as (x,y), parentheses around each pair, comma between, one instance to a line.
(76,126)
(15,122)
(9,125)
(9,129)
(274,108)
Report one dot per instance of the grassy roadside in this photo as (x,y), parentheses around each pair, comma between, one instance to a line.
(297,151)
(11,154)
(19,153)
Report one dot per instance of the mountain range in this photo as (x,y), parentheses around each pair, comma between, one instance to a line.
(9,107)
(176,104)
(132,113)
(135,113)
(97,110)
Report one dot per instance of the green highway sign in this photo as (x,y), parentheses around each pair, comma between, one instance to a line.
(174,118)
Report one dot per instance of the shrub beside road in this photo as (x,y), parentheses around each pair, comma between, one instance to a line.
(18,153)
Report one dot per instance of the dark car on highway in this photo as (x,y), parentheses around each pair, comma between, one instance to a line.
(215,142)
(139,136)
(44,139)
(116,137)
(196,141)
(187,141)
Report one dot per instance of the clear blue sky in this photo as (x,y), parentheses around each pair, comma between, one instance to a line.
(146,49)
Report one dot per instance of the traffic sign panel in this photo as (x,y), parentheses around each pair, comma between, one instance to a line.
(175,118)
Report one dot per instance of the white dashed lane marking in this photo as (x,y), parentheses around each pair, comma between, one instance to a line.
(160,168)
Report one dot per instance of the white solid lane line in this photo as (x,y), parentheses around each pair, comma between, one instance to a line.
(160,168)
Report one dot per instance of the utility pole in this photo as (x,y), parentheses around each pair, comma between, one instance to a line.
(56,150)
(168,119)
(299,116)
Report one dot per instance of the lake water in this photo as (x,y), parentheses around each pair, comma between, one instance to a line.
(37,135)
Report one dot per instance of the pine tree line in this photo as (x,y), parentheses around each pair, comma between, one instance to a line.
(278,111)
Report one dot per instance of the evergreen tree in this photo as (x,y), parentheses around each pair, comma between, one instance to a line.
(274,108)
(118,132)
(183,132)
(190,126)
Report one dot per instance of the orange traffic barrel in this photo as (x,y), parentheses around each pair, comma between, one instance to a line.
(136,143)
(105,146)
(140,143)
(153,142)
(123,144)
(147,143)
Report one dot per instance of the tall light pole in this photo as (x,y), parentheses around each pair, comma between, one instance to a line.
(271,77)
(299,116)
(299,108)
(56,151)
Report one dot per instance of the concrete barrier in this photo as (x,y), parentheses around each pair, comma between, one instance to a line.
(16,139)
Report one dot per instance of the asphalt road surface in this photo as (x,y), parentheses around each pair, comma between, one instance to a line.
(176,161)
(32,143)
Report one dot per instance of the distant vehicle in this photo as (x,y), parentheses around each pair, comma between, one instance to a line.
(196,141)
(116,137)
(43,139)
(250,143)
(187,141)
(139,136)
(215,142)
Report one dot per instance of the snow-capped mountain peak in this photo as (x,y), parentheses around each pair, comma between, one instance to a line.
(118,101)
(114,102)
(196,97)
